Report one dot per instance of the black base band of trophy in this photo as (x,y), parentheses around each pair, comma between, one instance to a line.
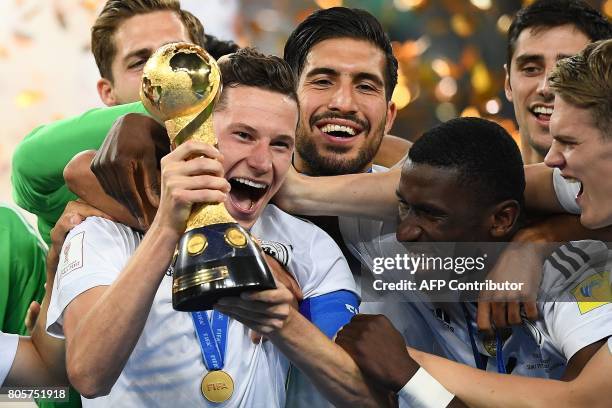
(216,261)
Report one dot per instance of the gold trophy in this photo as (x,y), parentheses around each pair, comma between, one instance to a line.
(216,257)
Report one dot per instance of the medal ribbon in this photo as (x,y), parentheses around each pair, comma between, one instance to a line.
(212,338)
(479,359)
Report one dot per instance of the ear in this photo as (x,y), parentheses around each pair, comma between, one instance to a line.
(391,113)
(507,87)
(106,92)
(504,217)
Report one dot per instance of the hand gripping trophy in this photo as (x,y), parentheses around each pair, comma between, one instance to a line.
(216,257)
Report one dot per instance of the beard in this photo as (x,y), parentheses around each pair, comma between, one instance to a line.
(331,162)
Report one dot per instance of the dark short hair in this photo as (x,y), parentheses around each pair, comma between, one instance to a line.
(486,157)
(249,67)
(218,48)
(116,12)
(340,22)
(543,14)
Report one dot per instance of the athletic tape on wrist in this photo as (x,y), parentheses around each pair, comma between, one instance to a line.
(424,391)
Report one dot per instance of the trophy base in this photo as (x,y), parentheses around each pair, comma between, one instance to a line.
(216,261)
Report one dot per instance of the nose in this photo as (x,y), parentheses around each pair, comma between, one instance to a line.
(554,157)
(408,230)
(260,159)
(343,99)
(543,88)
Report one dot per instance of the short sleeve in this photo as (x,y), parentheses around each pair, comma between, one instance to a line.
(8,350)
(582,311)
(93,254)
(321,268)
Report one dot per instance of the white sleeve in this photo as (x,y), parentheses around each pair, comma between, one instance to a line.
(320,267)
(582,313)
(566,192)
(8,350)
(94,253)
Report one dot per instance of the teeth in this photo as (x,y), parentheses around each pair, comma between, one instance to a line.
(250,183)
(543,110)
(338,128)
(572,180)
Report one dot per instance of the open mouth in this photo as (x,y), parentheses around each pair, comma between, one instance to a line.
(246,194)
(573,180)
(340,130)
(541,112)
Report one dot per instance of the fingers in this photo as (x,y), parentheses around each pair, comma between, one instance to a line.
(275,310)
(193,148)
(279,295)
(32,316)
(151,181)
(531,310)
(498,313)
(483,317)
(252,320)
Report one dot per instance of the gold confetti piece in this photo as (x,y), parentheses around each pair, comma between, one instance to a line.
(606,8)
(401,96)
(27,98)
(325,4)
(470,111)
(90,5)
(481,80)
(461,25)
(503,23)
(406,5)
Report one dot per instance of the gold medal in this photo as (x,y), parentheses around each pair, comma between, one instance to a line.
(491,346)
(235,238)
(217,386)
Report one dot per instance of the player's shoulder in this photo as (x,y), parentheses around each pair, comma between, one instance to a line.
(281,225)
(577,266)
(99,228)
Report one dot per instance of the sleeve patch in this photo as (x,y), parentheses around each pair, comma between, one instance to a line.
(71,257)
(593,292)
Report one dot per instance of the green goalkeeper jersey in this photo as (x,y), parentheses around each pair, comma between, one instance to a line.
(39,161)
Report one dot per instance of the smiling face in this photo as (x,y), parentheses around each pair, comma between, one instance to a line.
(343,110)
(430,212)
(535,55)
(584,155)
(135,40)
(256,132)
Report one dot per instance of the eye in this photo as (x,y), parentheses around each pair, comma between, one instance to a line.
(281,145)
(531,70)
(404,209)
(321,82)
(137,64)
(243,135)
(366,87)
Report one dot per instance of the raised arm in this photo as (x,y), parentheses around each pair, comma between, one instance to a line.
(367,195)
(39,160)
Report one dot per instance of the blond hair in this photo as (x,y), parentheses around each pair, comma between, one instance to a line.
(585,80)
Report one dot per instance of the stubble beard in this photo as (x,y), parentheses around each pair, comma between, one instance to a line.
(332,163)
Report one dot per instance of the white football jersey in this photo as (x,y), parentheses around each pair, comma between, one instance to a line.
(8,350)
(166,367)
(539,349)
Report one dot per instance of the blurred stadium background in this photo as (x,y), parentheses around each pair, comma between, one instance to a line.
(451,55)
